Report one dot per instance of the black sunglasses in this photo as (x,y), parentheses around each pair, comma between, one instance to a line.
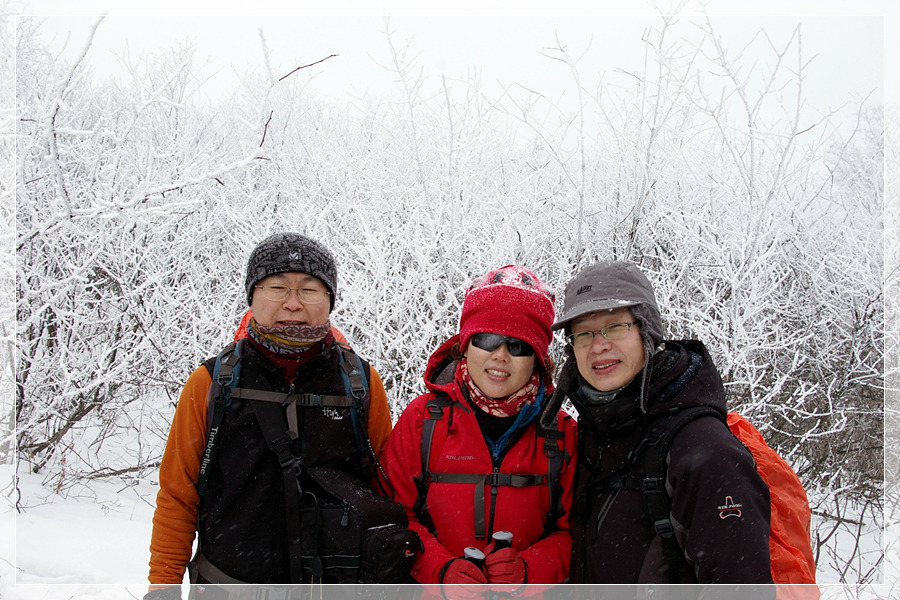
(492,341)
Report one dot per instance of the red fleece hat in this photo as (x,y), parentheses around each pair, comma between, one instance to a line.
(510,301)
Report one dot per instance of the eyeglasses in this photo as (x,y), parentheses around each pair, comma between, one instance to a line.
(616,331)
(492,341)
(279,293)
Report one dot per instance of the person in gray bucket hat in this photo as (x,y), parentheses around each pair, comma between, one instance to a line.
(622,376)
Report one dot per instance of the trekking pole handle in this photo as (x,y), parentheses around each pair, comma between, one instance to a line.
(502,539)
(473,555)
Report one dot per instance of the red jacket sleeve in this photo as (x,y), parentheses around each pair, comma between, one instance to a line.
(402,462)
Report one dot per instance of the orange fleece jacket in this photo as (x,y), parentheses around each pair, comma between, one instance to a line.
(175,519)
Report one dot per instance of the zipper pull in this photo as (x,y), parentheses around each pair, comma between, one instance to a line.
(345,518)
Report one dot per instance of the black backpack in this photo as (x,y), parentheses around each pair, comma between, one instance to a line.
(344,531)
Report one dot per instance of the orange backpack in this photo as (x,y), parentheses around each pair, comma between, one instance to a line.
(789,537)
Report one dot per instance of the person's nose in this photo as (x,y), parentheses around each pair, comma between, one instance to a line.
(502,353)
(600,344)
(292,302)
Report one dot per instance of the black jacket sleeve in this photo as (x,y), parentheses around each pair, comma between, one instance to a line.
(720,505)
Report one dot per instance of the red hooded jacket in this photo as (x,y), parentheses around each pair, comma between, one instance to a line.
(523,511)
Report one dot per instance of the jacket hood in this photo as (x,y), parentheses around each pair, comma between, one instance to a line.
(682,375)
(441,368)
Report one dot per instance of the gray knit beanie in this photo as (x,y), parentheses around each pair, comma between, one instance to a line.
(291,252)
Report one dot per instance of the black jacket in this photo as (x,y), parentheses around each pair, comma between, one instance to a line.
(613,541)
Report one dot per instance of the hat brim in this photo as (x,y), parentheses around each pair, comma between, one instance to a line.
(588,307)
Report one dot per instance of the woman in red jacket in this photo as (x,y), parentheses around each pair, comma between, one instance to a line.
(488,466)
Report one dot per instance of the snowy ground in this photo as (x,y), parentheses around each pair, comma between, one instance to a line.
(89,536)
(93,542)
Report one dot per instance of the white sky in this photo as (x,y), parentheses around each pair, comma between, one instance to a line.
(457,39)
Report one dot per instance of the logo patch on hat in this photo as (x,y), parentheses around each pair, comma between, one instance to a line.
(583,289)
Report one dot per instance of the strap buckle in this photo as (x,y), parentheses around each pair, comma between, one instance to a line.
(226,369)
(496,479)
(663,528)
(652,485)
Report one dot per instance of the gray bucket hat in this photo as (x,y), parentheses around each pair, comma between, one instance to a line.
(609,285)
(606,285)
(603,286)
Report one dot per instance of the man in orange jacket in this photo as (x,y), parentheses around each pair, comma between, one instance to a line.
(291,286)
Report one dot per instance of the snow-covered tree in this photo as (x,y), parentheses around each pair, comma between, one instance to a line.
(138,204)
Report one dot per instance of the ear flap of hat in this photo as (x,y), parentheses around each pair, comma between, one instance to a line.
(568,375)
(651,337)
(651,324)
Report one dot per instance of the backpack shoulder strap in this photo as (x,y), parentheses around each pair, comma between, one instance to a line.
(435,412)
(434,408)
(650,459)
(226,372)
(278,438)
(355,377)
(356,389)
(553,435)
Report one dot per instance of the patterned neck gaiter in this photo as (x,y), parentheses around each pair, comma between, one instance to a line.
(500,407)
(288,339)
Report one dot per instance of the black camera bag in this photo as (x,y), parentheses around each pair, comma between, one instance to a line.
(350,534)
